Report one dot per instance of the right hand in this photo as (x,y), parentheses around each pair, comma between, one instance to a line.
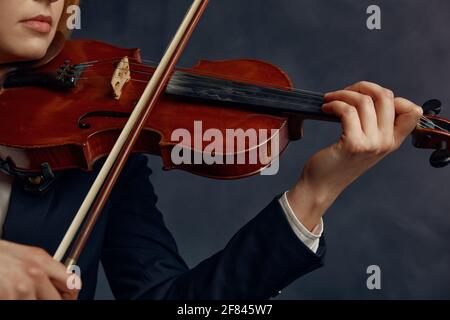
(28,273)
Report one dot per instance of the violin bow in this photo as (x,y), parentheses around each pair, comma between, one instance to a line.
(101,189)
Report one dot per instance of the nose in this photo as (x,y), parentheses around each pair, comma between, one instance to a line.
(49,1)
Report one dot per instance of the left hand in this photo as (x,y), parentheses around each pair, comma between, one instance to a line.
(374,124)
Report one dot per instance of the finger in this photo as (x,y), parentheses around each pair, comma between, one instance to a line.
(383,101)
(59,276)
(408,116)
(351,124)
(363,104)
(45,290)
(403,105)
(25,290)
(74,286)
(55,270)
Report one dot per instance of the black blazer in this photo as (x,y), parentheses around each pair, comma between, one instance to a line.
(138,252)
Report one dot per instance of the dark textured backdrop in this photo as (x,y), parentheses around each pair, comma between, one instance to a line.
(397,216)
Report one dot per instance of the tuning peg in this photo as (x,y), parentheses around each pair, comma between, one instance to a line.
(441,157)
(432,107)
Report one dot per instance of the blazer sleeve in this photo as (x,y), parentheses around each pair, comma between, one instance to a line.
(141,259)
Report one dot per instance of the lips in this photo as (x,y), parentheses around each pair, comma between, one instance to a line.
(41,23)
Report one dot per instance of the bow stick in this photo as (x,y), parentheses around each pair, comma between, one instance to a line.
(101,189)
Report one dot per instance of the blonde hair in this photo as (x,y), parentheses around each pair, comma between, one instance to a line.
(62,27)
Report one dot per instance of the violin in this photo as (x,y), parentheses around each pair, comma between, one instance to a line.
(74,110)
(77,104)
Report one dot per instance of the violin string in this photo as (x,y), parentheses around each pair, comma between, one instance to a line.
(424,121)
(116,59)
(432,124)
(266,85)
(201,77)
(302,95)
(429,124)
(424,124)
(152,64)
(92,64)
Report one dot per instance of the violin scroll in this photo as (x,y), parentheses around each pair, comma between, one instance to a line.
(433,132)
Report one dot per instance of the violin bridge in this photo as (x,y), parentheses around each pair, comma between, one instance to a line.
(120,77)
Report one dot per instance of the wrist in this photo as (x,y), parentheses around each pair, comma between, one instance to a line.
(309,204)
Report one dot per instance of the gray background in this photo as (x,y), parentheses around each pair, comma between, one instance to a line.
(397,215)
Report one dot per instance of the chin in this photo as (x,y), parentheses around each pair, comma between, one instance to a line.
(29,49)
(34,49)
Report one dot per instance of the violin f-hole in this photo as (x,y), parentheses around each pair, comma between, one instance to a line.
(83,124)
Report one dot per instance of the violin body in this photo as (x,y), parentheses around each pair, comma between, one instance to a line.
(72,128)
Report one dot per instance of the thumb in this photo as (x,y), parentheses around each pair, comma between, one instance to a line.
(406,120)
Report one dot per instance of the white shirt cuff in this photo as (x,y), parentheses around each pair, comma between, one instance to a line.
(310,239)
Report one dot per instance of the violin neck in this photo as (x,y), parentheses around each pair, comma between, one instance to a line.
(304,103)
